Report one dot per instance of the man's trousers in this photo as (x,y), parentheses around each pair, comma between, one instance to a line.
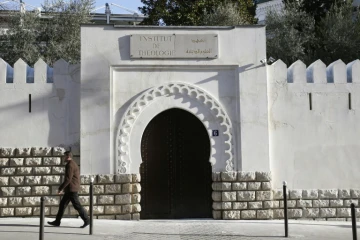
(74,198)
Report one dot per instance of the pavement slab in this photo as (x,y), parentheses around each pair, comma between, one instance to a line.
(28,228)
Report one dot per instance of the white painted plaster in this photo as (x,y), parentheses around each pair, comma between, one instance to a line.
(316,148)
(174,95)
(54,119)
(110,81)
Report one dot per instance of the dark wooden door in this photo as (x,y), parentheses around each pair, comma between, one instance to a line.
(176,172)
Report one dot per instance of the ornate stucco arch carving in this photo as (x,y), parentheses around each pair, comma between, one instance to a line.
(132,113)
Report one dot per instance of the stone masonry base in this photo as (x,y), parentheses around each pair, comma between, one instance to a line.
(29,173)
(249,195)
(26,174)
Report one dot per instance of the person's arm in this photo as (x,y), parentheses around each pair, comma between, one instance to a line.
(69,172)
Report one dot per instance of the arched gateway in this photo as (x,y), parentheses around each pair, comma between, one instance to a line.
(175,172)
(174,95)
(167,135)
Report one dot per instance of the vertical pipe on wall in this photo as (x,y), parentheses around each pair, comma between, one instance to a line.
(91,205)
(349,101)
(285,210)
(353,221)
(42,218)
(29,103)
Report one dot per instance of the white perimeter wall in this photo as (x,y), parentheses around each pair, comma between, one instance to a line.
(318,148)
(54,119)
(271,114)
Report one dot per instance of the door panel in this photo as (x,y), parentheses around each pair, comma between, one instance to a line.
(175,173)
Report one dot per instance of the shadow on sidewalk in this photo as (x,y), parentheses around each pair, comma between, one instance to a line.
(60,233)
(30,225)
(342,224)
(202,235)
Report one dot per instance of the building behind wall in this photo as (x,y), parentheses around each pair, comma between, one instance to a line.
(183,122)
(263,6)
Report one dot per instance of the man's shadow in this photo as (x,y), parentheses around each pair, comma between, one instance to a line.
(31,225)
(36,226)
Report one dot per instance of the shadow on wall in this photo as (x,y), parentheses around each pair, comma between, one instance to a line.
(118,116)
(124,42)
(100,91)
(220,76)
(226,96)
(40,107)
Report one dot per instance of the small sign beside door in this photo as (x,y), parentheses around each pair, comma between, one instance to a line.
(215,133)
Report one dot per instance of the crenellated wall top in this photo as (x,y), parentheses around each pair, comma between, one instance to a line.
(22,73)
(337,72)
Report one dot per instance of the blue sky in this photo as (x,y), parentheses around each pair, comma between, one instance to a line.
(131,4)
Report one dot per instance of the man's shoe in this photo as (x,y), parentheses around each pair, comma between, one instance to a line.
(85,225)
(54,223)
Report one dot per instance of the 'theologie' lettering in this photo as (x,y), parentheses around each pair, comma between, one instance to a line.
(156,53)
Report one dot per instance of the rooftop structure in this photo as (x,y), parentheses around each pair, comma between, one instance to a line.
(107,17)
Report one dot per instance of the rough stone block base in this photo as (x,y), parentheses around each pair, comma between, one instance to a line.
(29,173)
(248,195)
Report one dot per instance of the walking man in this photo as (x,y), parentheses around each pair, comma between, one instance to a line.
(70,188)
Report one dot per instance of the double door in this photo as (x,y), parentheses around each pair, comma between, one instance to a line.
(175,169)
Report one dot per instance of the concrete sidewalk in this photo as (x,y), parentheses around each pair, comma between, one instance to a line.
(28,228)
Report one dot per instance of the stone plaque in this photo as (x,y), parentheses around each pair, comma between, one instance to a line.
(174,46)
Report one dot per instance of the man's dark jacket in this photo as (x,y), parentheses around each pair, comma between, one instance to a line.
(72,178)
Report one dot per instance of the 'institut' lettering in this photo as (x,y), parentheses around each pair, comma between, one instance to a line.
(156,38)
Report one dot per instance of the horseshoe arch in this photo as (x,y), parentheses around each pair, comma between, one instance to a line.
(185,90)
